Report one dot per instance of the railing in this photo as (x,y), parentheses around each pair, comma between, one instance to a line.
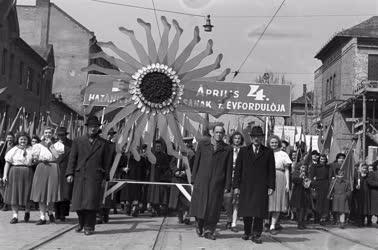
(365,85)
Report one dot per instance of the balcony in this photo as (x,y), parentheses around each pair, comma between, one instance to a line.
(366,87)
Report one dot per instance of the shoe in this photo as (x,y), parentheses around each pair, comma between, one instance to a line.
(79,229)
(199,232)
(88,232)
(187,221)
(51,218)
(234,229)
(266,228)
(115,211)
(99,221)
(5,208)
(228,225)
(279,227)
(273,231)
(134,211)
(342,226)
(245,237)
(13,221)
(322,223)
(257,239)
(210,236)
(41,222)
(27,217)
(301,227)
(105,218)
(62,218)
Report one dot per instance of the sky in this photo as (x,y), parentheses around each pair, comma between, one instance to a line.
(288,47)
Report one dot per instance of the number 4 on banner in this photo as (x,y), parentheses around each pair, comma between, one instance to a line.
(258,95)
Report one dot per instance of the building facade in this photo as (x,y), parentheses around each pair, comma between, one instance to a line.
(349,59)
(23,71)
(46,23)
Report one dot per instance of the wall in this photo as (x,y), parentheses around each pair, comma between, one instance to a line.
(16,94)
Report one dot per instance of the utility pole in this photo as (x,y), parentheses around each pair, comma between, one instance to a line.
(306,109)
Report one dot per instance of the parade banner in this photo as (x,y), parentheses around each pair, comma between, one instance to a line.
(291,137)
(205,97)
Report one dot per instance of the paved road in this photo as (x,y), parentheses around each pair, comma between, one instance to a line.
(124,232)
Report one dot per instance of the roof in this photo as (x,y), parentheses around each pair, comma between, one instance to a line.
(367,29)
(72,19)
(26,47)
(63,12)
(301,99)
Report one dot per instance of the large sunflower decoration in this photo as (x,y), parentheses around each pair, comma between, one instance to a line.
(153,86)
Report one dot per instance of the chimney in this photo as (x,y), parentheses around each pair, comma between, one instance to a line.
(43,9)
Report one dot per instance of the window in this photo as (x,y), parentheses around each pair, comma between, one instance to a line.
(11,66)
(29,79)
(4,61)
(38,84)
(21,73)
(327,90)
(373,67)
(330,88)
(334,86)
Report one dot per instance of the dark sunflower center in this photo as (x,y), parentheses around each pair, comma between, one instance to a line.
(156,87)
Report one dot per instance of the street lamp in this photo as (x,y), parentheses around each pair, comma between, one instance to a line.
(208,27)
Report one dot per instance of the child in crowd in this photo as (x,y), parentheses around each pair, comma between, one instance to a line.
(340,197)
(301,198)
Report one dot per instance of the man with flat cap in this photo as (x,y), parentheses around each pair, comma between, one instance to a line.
(62,208)
(88,168)
(254,180)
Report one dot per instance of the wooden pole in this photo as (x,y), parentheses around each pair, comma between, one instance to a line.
(266,130)
(306,108)
(364,127)
(353,114)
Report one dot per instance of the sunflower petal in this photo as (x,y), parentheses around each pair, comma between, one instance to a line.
(141,124)
(115,61)
(173,125)
(149,139)
(197,73)
(142,54)
(163,129)
(220,77)
(185,54)
(122,114)
(195,61)
(123,54)
(173,48)
(163,47)
(150,41)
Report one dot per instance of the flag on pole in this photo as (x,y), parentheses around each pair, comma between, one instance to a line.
(2,124)
(283,133)
(326,145)
(32,125)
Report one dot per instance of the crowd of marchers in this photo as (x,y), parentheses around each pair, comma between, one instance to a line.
(261,183)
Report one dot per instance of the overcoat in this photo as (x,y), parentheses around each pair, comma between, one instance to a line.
(254,174)
(89,163)
(301,196)
(320,179)
(62,161)
(212,174)
(372,181)
(361,202)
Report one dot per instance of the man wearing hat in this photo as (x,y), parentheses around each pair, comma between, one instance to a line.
(88,168)
(62,208)
(254,179)
(212,174)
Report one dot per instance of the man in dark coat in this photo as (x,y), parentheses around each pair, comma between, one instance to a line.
(88,168)
(4,148)
(372,182)
(62,208)
(212,174)
(254,179)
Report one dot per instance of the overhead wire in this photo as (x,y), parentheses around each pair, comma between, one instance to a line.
(156,18)
(258,40)
(234,16)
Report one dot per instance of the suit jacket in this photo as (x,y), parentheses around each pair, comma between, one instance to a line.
(254,174)
(89,164)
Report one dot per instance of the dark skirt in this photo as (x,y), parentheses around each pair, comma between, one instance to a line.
(340,203)
(158,194)
(321,200)
(46,183)
(17,191)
